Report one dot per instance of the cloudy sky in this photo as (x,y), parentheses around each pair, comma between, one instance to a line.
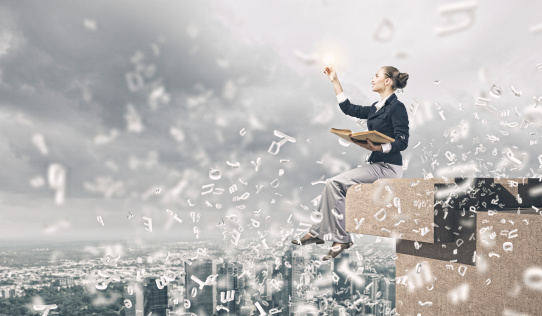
(112,111)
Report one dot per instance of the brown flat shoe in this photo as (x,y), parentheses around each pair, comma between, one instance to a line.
(306,241)
(336,250)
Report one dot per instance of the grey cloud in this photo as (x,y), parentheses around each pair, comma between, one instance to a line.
(224,67)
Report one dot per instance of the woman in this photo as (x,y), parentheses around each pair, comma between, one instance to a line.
(389,116)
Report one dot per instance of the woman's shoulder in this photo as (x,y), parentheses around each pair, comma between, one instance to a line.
(397,104)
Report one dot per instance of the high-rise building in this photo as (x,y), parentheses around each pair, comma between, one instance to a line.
(202,301)
(322,279)
(264,271)
(384,288)
(134,292)
(228,286)
(132,297)
(360,283)
(278,276)
(298,268)
(292,268)
(175,290)
(391,297)
(139,298)
(287,285)
(5,293)
(374,279)
(341,267)
(155,299)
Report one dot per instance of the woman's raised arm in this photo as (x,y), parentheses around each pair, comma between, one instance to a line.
(332,75)
(348,108)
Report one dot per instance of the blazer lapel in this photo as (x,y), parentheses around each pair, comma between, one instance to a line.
(385,107)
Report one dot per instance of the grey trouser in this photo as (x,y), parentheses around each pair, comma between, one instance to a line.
(333,197)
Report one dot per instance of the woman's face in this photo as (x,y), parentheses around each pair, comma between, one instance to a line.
(379,81)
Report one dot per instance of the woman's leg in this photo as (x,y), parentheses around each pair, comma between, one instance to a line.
(333,198)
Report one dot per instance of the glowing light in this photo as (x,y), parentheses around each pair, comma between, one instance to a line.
(328,59)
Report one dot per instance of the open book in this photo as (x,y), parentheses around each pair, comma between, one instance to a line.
(374,136)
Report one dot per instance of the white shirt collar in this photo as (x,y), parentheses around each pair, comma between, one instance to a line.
(381,103)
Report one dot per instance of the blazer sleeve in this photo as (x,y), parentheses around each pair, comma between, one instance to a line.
(399,120)
(358,111)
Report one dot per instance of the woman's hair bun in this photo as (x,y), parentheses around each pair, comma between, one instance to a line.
(402,79)
(399,78)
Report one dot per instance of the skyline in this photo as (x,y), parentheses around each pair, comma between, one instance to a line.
(103,277)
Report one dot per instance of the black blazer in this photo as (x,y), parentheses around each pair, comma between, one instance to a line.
(391,120)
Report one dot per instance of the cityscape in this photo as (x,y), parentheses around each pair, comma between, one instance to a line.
(199,278)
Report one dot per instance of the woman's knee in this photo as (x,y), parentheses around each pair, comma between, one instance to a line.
(335,183)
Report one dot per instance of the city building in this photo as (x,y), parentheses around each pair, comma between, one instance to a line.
(229,287)
(155,299)
(342,270)
(202,301)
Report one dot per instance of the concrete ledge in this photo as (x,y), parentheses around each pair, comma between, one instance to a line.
(373,203)
(501,283)
(480,253)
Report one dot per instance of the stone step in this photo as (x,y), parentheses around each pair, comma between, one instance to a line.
(464,246)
